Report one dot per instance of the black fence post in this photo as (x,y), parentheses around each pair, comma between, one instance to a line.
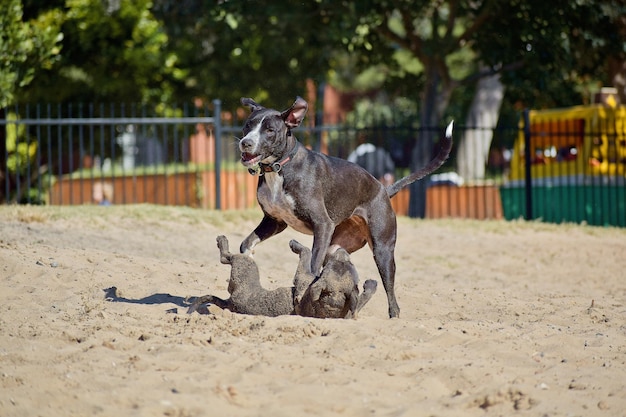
(217,123)
(527,166)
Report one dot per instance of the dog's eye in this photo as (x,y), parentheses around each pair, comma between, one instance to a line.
(269,131)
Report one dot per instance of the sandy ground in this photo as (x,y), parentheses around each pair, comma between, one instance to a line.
(497,319)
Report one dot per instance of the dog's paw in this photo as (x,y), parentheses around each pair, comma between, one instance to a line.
(370,286)
(222,243)
(296,247)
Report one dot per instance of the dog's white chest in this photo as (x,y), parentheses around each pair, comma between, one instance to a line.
(278,204)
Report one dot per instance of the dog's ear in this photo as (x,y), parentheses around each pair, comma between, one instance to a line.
(254,106)
(294,115)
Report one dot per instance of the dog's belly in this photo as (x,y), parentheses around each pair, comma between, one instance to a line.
(280,205)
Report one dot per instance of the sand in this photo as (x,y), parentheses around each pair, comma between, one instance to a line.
(498,319)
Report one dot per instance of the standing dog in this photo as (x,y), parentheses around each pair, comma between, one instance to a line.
(336,201)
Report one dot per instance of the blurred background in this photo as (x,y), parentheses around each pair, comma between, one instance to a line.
(157,85)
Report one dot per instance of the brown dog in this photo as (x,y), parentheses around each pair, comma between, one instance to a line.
(336,201)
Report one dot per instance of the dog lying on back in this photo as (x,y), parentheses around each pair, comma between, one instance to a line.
(334,294)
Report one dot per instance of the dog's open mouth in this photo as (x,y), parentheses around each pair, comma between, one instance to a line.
(250,159)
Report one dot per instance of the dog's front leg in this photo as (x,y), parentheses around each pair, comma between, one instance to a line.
(268,227)
(211,299)
(321,241)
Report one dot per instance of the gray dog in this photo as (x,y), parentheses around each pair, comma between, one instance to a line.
(336,201)
(333,295)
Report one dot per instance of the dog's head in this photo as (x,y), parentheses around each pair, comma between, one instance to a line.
(265,133)
(340,269)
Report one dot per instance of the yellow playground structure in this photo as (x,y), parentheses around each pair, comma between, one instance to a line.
(577,166)
(576,142)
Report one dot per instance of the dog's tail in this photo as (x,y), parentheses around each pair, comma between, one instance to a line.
(445,146)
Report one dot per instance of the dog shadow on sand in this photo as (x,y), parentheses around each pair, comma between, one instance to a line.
(111,294)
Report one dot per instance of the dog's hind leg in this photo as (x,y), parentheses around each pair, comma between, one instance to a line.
(304,265)
(387,269)
(383,232)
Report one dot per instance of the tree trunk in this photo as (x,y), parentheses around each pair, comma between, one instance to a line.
(473,150)
(617,71)
(433,101)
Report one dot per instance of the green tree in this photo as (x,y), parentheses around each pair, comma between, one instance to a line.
(25,47)
(247,48)
(113,51)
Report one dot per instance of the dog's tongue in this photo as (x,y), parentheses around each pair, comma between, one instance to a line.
(246,156)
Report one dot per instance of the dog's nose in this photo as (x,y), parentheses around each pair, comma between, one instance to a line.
(246,144)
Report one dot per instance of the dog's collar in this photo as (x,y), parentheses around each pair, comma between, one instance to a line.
(276,166)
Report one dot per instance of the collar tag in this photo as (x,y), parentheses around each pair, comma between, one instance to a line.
(274,167)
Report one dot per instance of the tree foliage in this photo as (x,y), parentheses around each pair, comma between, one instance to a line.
(561,48)
(248,48)
(545,51)
(175,50)
(113,51)
(25,46)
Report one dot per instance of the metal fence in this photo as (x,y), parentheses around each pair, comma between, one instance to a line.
(124,154)
(50,145)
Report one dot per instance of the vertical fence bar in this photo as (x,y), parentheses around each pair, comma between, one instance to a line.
(112,139)
(144,133)
(49,147)
(558,212)
(27,160)
(124,134)
(620,173)
(133,113)
(596,138)
(166,146)
(18,180)
(59,150)
(217,131)
(102,144)
(38,164)
(528,162)
(70,151)
(4,112)
(185,156)
(612,183)
(176,162)
(601,203)
(92,152)
(81,153)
